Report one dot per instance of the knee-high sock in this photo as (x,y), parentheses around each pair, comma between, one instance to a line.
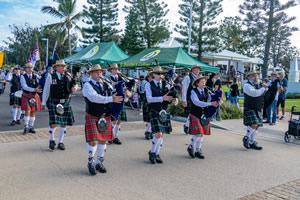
(253,136)
(52,133)
(117,130)
(31,122)
(14,114)
(187,123)
(148,125)
(19,112)
(92,151)
(199,144)
(62,132)
(159,146)
(101,148)
(155,142)
(194,140)
(26,121)
(250,131)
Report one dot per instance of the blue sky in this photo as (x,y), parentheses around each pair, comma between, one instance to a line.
(21,11)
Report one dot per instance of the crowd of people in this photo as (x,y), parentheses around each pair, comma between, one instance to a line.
(153,93)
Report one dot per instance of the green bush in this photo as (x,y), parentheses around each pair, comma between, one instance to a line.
(293,96)
(230,111)
(177,110)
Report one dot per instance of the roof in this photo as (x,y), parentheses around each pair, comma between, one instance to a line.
(169,43)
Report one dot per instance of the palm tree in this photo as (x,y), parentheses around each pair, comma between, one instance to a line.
(65,11)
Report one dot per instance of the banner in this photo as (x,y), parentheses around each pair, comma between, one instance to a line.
(35,56)
(1,58)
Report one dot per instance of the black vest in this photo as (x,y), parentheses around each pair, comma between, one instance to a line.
(58,88)
(31,82)
(188,94)
(15,83)
(114,79)
(196,110)
(97,109)
(255,103)
(158,92)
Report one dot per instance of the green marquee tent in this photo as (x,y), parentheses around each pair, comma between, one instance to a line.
(99,53)
(165,57)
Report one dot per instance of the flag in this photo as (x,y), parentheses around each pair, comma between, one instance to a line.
(35,56)
(54,51)
(1,58)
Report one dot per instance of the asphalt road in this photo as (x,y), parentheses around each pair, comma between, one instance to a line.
(42,117)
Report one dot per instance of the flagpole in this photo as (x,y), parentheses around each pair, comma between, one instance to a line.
(37,41)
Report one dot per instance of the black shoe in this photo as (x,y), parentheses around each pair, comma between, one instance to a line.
(61,146)
(190,149)
(25,131)
(151,135)
(199,155)
(13,123)
(152,157)
(18,122)
(246,142)
(91,166)
(31,130)
(117,141)
(100,167)
(186,129)
(52,144)
(254,146)
(147,135)
(266,122)
(158,159)
(22,116)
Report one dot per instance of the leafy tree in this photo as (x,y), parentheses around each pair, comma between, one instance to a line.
(102,20)
(65,12)
(150,23)
(204,32)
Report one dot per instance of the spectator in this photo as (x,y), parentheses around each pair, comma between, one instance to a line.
(218,86)
(84,78)
(234,93)
(282,95)
(177,82)
(210,82)
(2,81)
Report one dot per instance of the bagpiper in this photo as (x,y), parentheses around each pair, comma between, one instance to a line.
(58,89)
(98,125)
(199,120)
(30,98)
(158,100)
(186,93)
(253,104)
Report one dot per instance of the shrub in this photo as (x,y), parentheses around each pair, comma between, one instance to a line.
(230,111)
(177,110)
(293,96)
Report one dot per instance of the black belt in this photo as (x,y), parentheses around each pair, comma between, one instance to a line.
(61,101)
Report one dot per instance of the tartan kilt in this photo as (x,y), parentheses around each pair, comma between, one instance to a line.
(25,104)
(14,101)
(187,109)
(122,115)
(158,126)
(146,115)
(66,119)
(91,130)
(197,128)
(252,117)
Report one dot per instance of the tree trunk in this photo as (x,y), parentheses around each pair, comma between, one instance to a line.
(69,41)
(268,40)
(101,21)
(147,25)
(200,31)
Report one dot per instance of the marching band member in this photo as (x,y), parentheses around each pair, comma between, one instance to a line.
(97,98)
(186,93)
(30,98)
(158,100)
(14,101)
(114,77)
(253,104)
(60,110)
(198,126)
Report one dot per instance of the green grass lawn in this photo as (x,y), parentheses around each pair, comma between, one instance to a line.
(288,102)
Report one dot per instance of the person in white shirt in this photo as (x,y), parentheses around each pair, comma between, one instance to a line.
(97,96)
(253,104)
(186,93)
(158,100)
(60,111)
(199,110)
(30,98)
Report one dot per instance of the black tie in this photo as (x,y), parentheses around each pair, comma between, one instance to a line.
(158,84)
(99,85)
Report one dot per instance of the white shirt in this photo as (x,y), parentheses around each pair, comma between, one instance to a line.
(149,97)
(46,90)
(251,91)
(24,84)
(2,76)
(89,92)
(196,100)
(185,86)
(10,75)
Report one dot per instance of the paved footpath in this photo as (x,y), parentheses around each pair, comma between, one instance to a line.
(29,170)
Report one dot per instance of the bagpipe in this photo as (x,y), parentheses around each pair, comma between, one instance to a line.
(215,96)
(271,93)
